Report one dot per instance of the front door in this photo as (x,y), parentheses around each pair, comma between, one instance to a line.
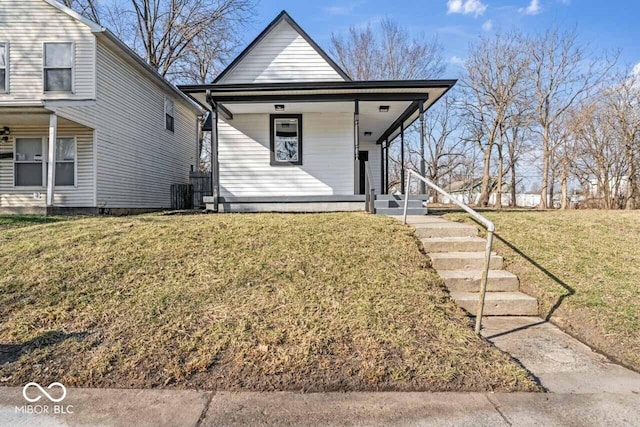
(363,156)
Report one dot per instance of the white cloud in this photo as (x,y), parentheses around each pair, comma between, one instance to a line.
(343,9)
(533,8)
(456,60)
(488,25)
(466,7)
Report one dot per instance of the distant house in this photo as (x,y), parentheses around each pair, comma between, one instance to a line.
(292,131)
(85,124)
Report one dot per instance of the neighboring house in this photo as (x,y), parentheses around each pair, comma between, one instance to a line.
(85,124)
(292,131)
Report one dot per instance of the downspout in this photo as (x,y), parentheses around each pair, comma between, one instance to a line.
(215,174)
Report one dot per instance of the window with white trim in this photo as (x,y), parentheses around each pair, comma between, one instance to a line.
(58,67)
(30,165)
(65,162)
(4,67)
(169,109)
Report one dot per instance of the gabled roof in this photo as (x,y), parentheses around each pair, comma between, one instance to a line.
(104,32)
(282,16)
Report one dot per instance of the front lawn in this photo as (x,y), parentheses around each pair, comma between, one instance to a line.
(236,302)
(584,267)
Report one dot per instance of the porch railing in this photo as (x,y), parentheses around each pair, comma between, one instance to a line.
(481,219)
(369,190)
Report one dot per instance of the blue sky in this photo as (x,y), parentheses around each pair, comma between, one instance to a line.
(604,25)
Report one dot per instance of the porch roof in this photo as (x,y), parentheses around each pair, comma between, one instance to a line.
(413,92)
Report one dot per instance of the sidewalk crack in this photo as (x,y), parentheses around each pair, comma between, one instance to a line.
(497,408)
(203,415)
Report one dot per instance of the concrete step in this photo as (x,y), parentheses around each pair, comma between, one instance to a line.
(422,197)
(454,244)
(398,204)
(469,280)
(445,229)
(498,303)
(464,261)
(399,211)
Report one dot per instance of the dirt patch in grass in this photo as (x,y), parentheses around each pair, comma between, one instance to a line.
(236,302)
(584,268)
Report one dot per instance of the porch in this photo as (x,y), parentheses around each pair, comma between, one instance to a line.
(308,147)
(30,165)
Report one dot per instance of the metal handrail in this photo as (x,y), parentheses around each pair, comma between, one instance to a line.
(369,190)
(482,220)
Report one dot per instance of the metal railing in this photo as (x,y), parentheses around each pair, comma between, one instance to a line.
(369,190)
(482,220)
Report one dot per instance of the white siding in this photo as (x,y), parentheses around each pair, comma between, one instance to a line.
(282,56)
(138,159)
(79,196)
(327,157)
(26,25)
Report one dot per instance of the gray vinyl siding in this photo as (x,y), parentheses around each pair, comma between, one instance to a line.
(138,159)
(282,56)
(26,25)
(79,196)
(327,159)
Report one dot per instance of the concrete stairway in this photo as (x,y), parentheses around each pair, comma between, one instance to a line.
(457,254)
(392,204)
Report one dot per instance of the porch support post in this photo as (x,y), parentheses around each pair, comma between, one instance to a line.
(386,167)
(423,169)
(382,168)
(51,159)
(402,190)
(356,148)
(215,167)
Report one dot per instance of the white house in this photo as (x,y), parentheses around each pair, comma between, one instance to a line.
(292,131)
(85,124)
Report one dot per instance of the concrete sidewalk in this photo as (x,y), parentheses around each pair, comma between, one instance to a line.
(93,407)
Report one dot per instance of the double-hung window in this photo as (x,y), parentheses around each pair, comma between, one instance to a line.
(30,163)
(169,111)
(58,67)
(4,67)
(66,162)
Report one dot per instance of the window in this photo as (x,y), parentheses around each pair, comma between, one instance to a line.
(66,162)
(286,139)
(4,65)
(169,107)
(29,167)
(58,67)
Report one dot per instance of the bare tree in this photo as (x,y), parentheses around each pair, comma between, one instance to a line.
(87,8)
(389,53)
(173,35)
(622,100)
(443,151)
(494,72)
(562,72)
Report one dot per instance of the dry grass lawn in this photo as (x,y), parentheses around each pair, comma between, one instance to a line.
(235,302)
(584,268)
